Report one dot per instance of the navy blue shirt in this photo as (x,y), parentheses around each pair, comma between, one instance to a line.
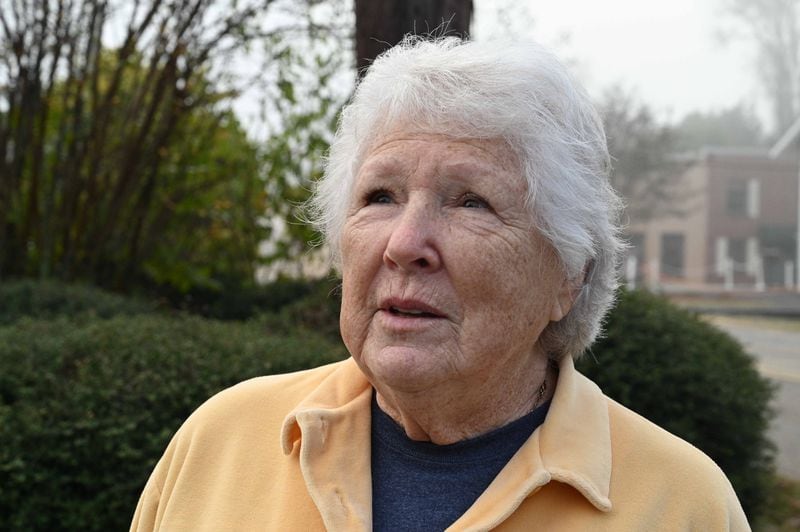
(422,486)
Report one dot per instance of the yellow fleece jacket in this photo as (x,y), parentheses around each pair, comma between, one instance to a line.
(292,452)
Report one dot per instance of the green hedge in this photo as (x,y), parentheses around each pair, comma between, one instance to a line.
(317,311)
(48,299)
(86,408)
(692,379)
(240,302)
(87,405)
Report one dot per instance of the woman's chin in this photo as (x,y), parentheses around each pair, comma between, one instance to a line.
(404,369)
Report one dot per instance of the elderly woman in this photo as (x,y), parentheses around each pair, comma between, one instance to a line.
(466,202)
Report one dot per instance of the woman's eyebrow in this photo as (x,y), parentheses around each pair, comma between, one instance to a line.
(468,167)
(387,165)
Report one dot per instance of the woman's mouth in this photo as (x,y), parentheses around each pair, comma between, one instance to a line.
(411,312)
(410,308)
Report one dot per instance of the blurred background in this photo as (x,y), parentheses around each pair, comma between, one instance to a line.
(155,156)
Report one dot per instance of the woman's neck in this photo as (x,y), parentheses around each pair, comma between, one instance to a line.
(461,410)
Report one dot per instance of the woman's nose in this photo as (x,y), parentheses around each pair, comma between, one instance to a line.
(412,245)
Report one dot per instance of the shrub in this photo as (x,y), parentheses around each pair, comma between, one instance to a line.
(47,299)
(236,301)
(317,310)
(86,408)
(692,379)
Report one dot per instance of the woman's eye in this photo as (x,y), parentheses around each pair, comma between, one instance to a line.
(380,197)
(474,202)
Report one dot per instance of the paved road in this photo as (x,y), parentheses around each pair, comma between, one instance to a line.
(778,354)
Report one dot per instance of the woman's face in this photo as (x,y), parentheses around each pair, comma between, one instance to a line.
(443,277)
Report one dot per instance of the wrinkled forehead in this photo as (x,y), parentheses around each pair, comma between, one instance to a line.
(455,149)
(479,145)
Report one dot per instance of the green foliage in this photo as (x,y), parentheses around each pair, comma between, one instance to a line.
(86,408)
(123,165)
(88,405)
(783,507)
(206,223)
(163,186)
(314,81)
(693,380)
(241,301)
(48,299)
(317,311)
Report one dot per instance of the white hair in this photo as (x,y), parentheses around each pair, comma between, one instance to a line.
(517,92)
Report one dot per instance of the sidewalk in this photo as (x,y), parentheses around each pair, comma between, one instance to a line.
(772,304)
(775,343)
(766,323)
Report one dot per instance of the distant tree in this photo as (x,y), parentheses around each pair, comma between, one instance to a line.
(773,27)
(734,126)
(205,227)
(120,160)
(314,84)
(644,167)
(90,134)
(380,24)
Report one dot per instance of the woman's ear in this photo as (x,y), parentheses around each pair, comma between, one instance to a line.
(568,292)
(565,297)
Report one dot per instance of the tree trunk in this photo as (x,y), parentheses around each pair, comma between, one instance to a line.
(380,24)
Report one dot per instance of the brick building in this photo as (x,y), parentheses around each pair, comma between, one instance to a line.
(737,226)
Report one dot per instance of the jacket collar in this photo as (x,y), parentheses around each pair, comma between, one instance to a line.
(572,446)
(339,394)
(575,439)
(328,432)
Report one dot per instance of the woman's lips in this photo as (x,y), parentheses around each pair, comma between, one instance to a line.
(407,315)
(411,313)
(410,308)
(398,323)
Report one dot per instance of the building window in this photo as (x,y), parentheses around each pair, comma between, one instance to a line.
(636,241)
(778,240)
(778,244)
(737,249)
(743,198)
(737,198)
(672,255)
